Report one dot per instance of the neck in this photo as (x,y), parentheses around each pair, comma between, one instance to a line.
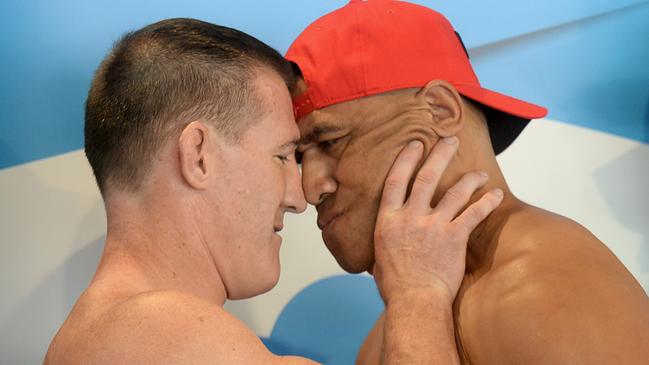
(485,237)
(475,156)
(157,245)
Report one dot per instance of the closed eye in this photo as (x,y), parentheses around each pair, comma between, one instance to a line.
(328,144)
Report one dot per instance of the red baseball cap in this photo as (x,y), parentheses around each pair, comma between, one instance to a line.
(374,46)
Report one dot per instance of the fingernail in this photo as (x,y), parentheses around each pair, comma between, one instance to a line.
(498,192)
(450,140)
(414,144)
(483,174)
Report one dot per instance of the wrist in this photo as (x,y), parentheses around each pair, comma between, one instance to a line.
(435,296)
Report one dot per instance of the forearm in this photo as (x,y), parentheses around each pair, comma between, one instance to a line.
(419,329)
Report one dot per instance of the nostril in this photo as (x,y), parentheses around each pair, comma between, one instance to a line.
(323,197)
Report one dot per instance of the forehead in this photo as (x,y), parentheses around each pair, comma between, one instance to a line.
(362,112)
(277,121)
(318,123)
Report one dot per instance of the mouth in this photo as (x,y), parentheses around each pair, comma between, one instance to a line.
(278,228)
(327,219)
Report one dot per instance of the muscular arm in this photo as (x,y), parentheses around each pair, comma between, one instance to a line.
(568,300)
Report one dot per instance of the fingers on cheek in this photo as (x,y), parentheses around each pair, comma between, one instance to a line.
(446,146)
(427,176)
(413,155)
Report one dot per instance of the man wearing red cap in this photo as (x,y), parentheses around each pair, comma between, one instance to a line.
(190,132)
(538,288)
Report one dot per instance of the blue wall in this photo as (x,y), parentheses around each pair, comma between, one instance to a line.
(588,61)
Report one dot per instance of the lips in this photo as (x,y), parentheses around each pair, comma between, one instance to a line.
(326,219)
(278,225)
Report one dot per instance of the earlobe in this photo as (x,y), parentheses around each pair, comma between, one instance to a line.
(445,105)
(193,150)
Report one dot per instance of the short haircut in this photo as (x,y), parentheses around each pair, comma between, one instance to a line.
(158,79)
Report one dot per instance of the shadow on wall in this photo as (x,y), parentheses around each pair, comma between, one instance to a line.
(38,317)
(35,221)
(616,181)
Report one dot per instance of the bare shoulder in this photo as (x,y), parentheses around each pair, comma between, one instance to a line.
(556,295)
(172,327)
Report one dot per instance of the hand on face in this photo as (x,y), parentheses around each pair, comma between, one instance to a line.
(417,246)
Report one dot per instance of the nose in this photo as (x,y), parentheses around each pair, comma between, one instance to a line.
(317,177)
(294,196)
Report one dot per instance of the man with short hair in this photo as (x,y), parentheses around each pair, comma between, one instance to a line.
(190,132)
(538,288)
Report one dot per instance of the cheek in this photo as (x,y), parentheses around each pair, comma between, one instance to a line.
(270,187)
(361,178)
(360,188)
(257,191)
(364,167)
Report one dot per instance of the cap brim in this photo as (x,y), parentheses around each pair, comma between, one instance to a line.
(504,103)
(506,116)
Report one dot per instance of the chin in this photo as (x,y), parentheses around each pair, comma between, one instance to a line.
(259,287)
(352,267)
(352,258)
(354,253)
(270,279)
(257,280)
(270,285)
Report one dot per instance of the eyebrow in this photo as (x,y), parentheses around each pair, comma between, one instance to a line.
(318,131)
(292,143)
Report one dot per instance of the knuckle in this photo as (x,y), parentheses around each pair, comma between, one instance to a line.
(431,225)
(392,182)
(474,213)
(455,194)
(390,187)
(427,177)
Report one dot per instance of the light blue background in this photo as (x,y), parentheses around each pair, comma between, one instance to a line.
(586,60)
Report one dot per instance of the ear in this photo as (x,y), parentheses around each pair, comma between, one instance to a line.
(446,107)
(194,156)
